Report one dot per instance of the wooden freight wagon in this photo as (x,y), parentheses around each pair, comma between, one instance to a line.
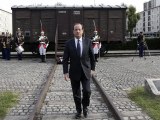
(110,23)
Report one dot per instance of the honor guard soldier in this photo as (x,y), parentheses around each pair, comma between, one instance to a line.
(43,44)
(2,45)
(19,41)
(7,45)
(140,44)
(96,45)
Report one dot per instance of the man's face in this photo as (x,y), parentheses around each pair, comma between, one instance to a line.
(19,34)
(78,31)
(42,33)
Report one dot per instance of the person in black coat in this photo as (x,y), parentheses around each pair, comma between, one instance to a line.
(79,53)
(140,42)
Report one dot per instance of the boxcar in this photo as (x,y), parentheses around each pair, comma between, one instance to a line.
(110,22)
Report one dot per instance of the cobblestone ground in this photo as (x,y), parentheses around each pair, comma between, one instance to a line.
(25,77)
(59,104)
(118,75)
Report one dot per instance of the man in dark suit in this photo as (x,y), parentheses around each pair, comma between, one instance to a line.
(78,51)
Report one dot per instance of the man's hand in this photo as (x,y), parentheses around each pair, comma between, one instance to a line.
(66,77)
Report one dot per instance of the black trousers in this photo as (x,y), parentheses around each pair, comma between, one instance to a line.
(3,53)
(19,56)
(141,49)
(86,92)
(7,53)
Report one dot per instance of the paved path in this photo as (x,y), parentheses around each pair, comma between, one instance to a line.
(118,75)
(25,77)
(59,104)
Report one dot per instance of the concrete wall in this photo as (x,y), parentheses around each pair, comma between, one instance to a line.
(5,21)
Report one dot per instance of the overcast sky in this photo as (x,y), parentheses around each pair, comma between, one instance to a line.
(7,4)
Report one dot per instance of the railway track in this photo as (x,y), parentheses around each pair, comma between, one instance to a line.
(55,101)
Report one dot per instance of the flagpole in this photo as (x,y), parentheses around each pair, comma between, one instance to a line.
(94,3)
(41,24)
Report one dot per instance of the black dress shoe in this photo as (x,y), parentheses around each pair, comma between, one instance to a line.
(85,112)
(78,115)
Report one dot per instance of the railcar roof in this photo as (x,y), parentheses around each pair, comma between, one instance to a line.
(68,7)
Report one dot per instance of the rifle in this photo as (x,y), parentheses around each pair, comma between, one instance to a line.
(41,25)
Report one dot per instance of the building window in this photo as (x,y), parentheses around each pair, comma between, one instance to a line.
(143,13)
(143,24)
(144,29)
(149,28)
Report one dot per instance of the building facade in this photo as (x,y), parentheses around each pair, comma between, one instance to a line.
(149,22)
(5,21)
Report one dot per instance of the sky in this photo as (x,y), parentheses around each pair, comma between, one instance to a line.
(7,4)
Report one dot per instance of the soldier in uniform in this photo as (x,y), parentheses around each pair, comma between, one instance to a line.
(19,41)
(43,44)
(2,45)
(140,42)
(7,45)
(96,45)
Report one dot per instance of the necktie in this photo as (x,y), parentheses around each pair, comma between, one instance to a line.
(78,48)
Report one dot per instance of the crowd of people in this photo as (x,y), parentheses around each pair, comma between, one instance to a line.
(8,43)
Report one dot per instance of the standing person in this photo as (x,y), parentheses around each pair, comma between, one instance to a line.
(43,44)
(82,65)
(3,45)
(7,45)
(140,42)
(96,45)
(19,41)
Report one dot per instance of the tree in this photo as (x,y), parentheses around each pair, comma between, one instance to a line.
(133,18)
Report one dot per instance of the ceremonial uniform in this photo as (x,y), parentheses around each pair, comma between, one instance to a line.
(43,44)
(2,44)
(96,45)
(19,41)
(7,45)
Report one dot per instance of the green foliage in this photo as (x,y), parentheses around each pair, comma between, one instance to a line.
(149,103)
(153,44)
(7,100)
(133,18)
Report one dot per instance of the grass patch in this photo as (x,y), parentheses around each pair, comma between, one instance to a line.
(7,100)
(147,102)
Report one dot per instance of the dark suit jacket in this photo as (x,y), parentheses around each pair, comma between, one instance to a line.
(87,60)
